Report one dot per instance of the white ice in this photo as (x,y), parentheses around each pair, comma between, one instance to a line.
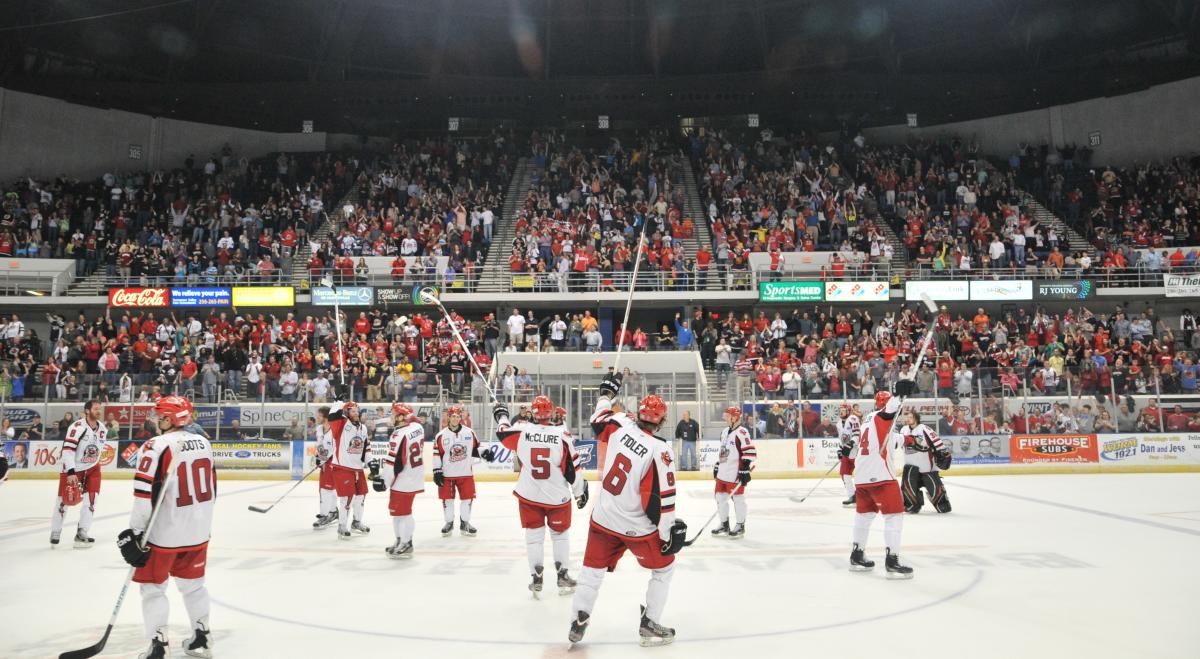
(1069,566)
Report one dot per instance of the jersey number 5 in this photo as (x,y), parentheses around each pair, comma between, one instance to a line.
(614,480)
(539,459)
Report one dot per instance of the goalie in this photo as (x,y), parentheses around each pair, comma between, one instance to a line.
(924,456)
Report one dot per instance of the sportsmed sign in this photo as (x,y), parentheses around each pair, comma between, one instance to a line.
(791,291)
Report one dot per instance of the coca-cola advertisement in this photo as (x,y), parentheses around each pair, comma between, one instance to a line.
(139,298)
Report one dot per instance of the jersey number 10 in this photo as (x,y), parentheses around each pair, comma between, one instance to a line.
(203,482)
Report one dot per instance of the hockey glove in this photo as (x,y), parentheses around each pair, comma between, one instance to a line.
(905,388)
(715,468)
(942,459)
(744,473)
(373,467)
(130,545)
(378,485)
(488,454)
(678,537)
(499,412)
(844,451)
(439,479)
(582,499)
(611,385)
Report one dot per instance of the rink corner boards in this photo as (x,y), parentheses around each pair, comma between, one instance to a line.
(277,475)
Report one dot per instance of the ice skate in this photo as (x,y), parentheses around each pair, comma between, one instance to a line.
(447,529)
(83,541)
(722,529)
(54,537)
(566,585)
(159,649)
(400,551)
(653,634)
(200,643)
(859,563)
(359,527)
(344,534)
(737,532)
(466,529)
(850,502)
(894,569)
(578,627)
(325,520)
(535,584)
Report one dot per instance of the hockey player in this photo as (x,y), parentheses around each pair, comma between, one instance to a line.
(875,487)
(732,473)
(79,477)
(924,456)
(3,468)
(454,470)
(328,497)
(550,476)
(635,511)
(403,475)
(178,463)
(350,448)
(848,427)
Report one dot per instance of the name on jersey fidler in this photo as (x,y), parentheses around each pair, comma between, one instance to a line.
(632,444)
(791,291)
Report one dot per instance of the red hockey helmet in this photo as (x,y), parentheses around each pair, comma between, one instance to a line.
(176,408)
(734,411)
(560,413)
(350,406)
(844,410)
(652,409)
(542,408)
(402,410)
(454,409)
(882,398)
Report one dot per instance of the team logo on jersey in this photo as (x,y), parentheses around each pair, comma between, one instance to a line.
(458,452)
(666,458)
(724,452)
(91,453)
(356,444)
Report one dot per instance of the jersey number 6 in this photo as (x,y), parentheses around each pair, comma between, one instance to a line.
(614,481)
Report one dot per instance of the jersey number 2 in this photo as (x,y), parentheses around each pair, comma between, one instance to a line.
(614,481)
(203,482)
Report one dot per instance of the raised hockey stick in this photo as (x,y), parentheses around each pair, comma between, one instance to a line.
(259,509)
(430,297)
(637,264)
(97,648)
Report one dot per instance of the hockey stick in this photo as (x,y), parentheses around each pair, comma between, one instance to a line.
(814,487)
(259,509)
(689,543)
(637,264)
(428,296)
(96,649)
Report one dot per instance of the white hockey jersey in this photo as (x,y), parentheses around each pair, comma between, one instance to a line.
(735,447)
(350,442)
(325,445)
(848,430)
(637,482)
(404,467)
(83,446)
(454,452)
(919,444)
(873,464)
(185,520)
(550,469)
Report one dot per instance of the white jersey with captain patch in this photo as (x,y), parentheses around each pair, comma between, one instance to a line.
(185,519)
(735,446)
(873,464)
(550,470)
(83,446)
(454,452)
(404,453)
(920,442)
(637,481)
(351,442)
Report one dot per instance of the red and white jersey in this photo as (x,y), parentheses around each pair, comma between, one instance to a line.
(873,464)
(350,444)
(454,452)
(550,470)
(83,445)
(404,467)
(735,447)
(848,430)
(919,444)
(637,482)
(325,444)
(185,519)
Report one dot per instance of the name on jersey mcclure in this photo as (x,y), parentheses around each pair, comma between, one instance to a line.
(632,445)
(539,438)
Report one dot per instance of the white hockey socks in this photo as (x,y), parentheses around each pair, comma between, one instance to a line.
(862,524)
(535,540)
(403,526)
(448,510)
(723,507)
(357,503)
(892,524)
(656,592)
(344,513)
(328,501)
(86,510)
(58,516)
(195,600)
(848,481)
(464,510)
(587,589)
(155,609)
(562,547)
(739,510)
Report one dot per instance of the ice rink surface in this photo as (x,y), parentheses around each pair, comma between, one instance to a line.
(1079,565)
